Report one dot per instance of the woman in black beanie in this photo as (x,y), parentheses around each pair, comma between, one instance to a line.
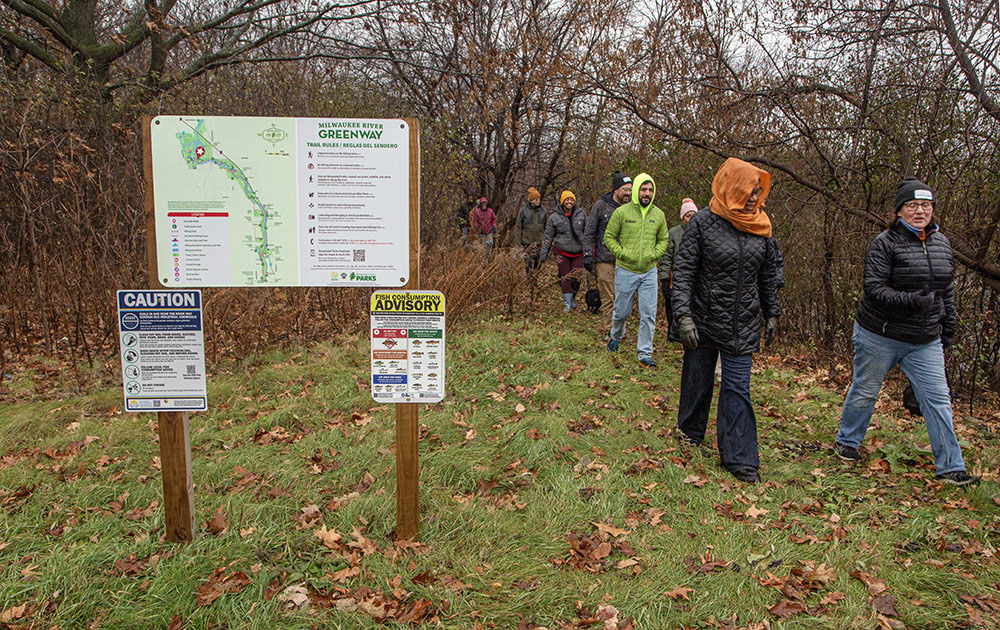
(906,317)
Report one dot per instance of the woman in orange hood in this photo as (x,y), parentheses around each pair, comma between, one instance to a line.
(726,275)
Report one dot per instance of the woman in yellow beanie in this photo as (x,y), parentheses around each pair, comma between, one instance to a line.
(564,234)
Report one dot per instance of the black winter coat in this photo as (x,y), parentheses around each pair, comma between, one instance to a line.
(724,279)
(897,266)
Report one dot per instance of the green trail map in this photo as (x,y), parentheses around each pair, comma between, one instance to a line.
(228,188)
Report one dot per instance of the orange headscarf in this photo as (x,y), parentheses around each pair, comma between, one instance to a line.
(731,189)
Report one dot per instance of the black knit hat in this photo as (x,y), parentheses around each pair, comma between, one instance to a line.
(912,188)
(619,179)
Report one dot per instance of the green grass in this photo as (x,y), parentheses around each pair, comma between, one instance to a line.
(497,504)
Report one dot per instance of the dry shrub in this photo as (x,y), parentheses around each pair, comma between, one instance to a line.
(474,280)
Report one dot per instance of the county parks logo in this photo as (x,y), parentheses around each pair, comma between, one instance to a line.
(352,277)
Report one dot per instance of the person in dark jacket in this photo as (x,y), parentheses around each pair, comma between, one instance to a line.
(596,256)
(462,215)
(666,266)
(529,229)
(563,233)
(726,274)
(906,317)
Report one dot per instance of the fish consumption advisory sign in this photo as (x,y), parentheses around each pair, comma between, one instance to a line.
(162,350)
(407,346)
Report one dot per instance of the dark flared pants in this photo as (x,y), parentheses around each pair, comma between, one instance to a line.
(737,425)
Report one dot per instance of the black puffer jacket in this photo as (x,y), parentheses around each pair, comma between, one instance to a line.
(898,265)
(724,279)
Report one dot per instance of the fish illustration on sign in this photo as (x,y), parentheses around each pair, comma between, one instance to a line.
(390,343)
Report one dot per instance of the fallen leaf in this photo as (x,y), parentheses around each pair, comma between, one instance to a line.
(219,525)
(219,584)
(130,566)
(308,516)
(876,586)
(886,604)
(329,537)
(345,573)
(136,514)
(697,480)
(605,529)
(679,592)
(831,598)
(295,596)
(626,563)
(787,608)
(14,613)
(753,511)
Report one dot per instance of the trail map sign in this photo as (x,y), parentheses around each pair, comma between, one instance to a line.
(407,346)
(246,201)
(162,350)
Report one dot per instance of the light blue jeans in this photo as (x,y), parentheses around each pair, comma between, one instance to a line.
(628,284)
(923,364)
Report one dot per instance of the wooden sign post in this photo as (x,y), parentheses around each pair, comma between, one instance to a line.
(174,426)
(407,415)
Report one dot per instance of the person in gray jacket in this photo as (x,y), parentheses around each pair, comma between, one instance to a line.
(596,256)
(564,233)
(666,267)
(529,229)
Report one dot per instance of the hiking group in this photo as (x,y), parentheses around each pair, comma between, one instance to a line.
(720,270)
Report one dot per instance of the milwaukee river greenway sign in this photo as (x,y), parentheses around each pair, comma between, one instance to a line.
(257,201)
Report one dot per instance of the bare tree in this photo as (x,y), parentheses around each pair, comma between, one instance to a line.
(154,45)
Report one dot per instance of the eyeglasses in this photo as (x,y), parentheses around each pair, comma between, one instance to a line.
(913,206)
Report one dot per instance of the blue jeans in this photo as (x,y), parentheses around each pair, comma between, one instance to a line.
(627,284)
(874,356)
(737,424)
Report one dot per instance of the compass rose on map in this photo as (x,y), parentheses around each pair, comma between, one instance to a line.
(273,134)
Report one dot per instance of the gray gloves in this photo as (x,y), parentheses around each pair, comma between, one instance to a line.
(687,331)
(770,329)
(924,299)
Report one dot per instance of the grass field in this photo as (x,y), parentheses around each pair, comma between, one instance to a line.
(554,494)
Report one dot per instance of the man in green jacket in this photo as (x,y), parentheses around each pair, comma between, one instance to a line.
(637,236)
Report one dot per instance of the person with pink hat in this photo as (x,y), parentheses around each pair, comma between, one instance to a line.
(688,209)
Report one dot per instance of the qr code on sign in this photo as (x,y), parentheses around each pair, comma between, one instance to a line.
(192,369)
(359,255)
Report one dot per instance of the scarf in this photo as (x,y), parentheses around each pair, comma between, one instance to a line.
(731,189)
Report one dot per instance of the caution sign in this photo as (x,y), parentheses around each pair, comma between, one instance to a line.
(407,346)
(162,350)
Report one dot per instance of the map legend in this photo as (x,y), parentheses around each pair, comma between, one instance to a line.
(199,243)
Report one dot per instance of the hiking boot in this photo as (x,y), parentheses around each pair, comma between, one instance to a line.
(958,478)
(648,362)
(612,345)
(749,475)
(846,453)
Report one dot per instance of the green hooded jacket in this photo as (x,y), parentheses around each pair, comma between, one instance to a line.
(637,236)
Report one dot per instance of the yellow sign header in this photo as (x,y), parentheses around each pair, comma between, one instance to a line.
(407,302)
